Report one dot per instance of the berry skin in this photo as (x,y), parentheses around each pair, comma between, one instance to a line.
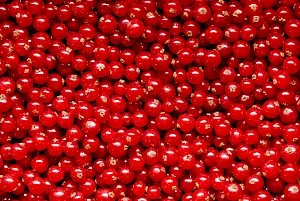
(233,191)
(186,122)
(149,100)
(9,183)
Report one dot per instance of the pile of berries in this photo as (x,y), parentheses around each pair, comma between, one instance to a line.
(149,100)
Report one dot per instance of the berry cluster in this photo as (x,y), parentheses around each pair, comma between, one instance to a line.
(149,100)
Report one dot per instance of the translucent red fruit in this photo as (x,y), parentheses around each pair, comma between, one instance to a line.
(135,28)
(186,122)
